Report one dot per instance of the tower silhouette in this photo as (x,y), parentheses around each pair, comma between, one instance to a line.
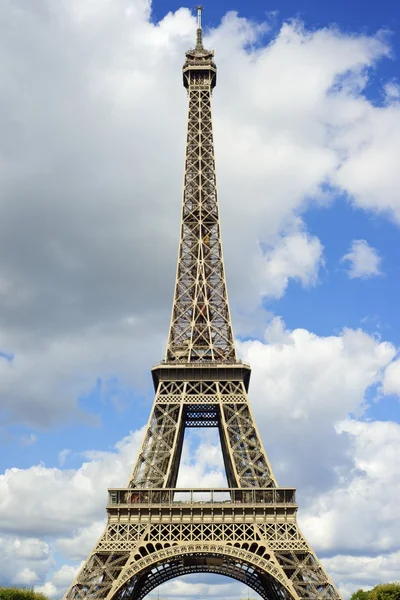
(247,531)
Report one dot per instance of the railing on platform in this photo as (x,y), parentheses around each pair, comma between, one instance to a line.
(166,496)
(223,362)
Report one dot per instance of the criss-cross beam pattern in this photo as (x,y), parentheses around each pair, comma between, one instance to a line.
(200,325)
(147,542)
(222,404)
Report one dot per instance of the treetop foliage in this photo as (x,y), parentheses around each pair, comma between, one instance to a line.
(383,591)
(13,593)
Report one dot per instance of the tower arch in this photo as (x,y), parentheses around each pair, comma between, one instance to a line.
(260,574)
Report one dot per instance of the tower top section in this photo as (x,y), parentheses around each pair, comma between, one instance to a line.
(199,61)
(201,330)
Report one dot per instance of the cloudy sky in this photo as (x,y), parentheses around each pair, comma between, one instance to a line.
(307,135)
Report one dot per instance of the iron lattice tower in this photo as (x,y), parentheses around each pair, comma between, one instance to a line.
(247,531)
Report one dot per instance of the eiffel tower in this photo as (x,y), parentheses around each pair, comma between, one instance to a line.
(247,531)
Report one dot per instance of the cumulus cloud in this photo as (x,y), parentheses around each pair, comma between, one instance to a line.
(364,260)
(60,581)
(201,460)
(392,91)
(354,515)
(362,571)
(190,586)
(24,561)
(64,500)
(303,384)
(368,173)
(296,256)
(391,380)
(79,545)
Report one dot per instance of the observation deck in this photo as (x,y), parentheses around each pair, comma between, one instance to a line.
(209,505)
(201,370)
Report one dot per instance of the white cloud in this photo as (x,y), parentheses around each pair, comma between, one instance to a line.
(368,172)
(298,256)
(64,500)
(24,561)
(201,460)
(48,589)
(78,545)
(364,260)
(190,586)
(302,385)
(60,581)
(392,91)
(362,571)
(391,380)
(26,577)
(362,512)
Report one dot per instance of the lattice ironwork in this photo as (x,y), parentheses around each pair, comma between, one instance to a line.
(200,326)
(248,531)
(202,404)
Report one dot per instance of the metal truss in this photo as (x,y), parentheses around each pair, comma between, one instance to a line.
(200,326)
(248,531)
(181,404)
(252,537)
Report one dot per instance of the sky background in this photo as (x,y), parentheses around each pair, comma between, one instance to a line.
(307,137)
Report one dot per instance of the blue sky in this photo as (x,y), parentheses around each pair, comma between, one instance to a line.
(306,115)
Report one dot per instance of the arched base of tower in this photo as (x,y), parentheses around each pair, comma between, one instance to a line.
(138,580)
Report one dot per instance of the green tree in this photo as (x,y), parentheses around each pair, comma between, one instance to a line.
(382,591)
(360,595)
(13,593)
(386,591)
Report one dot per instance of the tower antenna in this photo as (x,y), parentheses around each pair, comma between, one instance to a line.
(199,41)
